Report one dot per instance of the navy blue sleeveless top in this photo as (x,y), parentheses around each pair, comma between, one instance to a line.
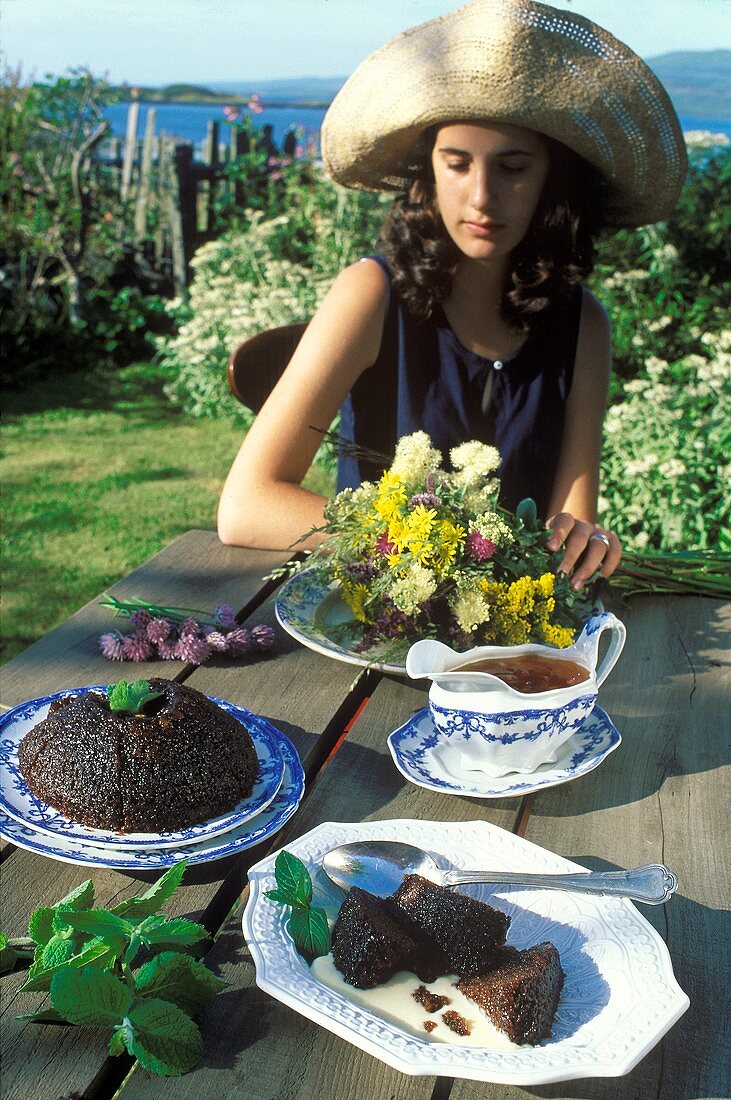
(424,379)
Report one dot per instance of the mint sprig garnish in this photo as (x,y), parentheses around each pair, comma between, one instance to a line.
(307,924)
(130,698)
(87,958)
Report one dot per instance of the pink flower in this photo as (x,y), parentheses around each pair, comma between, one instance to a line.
(263,636)
(479,548)
(225,615)
(255,105)
(191,649)
(136,648)
(217,641)
(159,630)
(238,642)
(384,545)
(189,629)
(111,646)
(140,619)
(231,113)
(166,649)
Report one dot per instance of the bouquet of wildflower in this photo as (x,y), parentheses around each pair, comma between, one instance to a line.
(427,552)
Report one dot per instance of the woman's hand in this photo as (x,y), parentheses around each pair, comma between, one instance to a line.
(589,544)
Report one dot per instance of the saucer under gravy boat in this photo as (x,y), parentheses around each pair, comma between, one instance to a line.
(497,728)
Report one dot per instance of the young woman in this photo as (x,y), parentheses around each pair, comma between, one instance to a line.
(514,131)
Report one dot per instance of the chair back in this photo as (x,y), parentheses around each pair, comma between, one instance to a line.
(257,365)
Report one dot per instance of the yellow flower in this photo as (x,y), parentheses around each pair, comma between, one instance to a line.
(446,539)
(391,496)
(560,636)
(355,595)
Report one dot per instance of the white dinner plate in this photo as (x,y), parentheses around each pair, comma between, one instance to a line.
(425,758)
(619,996)
(315,614)
(237,839)
(18,802)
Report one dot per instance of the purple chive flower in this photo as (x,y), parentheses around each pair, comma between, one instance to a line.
(136,648)
(217,641)
(231,113)
(111,646)
(166,649)
(479,548)
(159,630)
(140,619)
(239,641)
(263,637)
(189,628)
(429,500)
(192,649)
(225,615)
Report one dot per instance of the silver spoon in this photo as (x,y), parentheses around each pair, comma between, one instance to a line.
(379,866)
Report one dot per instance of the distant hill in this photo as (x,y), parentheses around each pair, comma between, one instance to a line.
(698,81)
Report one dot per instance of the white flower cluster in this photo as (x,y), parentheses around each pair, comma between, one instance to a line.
(492,527)
(473,461)
(411,591)
(415,457)
(471,609)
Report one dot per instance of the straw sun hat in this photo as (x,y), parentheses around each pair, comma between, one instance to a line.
(518,62)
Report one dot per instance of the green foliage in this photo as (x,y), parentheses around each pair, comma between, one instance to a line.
(62,223)
(307,924)
(85,958)
(130,698)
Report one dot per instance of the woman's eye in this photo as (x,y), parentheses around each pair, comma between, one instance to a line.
(457,165)
(514,169)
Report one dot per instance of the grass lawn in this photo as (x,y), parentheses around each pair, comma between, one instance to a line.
(97,475)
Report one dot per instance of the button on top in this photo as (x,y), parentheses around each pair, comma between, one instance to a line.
(498,364)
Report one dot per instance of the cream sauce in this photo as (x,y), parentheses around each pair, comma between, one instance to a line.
(394,1002)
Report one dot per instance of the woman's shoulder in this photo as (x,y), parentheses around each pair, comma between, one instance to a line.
(366,280)
(594,316)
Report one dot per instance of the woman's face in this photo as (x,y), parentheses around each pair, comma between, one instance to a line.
(488,178)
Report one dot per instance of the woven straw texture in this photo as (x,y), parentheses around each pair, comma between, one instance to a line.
(519,62)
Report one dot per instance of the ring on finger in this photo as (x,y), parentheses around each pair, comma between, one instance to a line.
(599,536)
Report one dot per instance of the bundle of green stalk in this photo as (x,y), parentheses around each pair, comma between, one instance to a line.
(683,572)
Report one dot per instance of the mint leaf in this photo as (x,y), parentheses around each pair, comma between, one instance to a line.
(116,1043)
(293,879)
(162,1038)
(95,953)
(90,996)
(44,1016)
(40,925)
(58,950)
(528,514)
(176,930)
(310,931)
(130,698)
(154,898)
(177,978)
(82,897)
(95,922)
(282,898)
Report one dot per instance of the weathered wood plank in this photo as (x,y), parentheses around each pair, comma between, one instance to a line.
(266,1049)
(662,796)
(196,570)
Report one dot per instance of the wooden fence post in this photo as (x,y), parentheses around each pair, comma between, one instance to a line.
(210,156)
(130,143)
(143,191)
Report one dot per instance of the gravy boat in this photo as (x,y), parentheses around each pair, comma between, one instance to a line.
(491,727)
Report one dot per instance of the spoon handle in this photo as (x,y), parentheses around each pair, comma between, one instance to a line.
(652,884)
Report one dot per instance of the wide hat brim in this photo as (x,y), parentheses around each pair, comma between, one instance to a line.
(517,62)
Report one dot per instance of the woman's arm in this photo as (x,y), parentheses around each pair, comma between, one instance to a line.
(262,503)
(576,488)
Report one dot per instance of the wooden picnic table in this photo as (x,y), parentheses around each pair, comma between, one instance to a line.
(661,797)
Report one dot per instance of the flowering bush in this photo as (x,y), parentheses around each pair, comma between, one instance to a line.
(427,552)
(666,467)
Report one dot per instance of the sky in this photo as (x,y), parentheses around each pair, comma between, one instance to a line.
(158,42)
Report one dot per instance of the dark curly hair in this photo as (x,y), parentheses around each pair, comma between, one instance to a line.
(556,252)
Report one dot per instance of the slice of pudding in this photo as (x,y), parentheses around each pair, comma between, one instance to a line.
(520,997)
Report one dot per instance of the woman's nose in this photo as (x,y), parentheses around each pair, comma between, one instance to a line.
(483,189)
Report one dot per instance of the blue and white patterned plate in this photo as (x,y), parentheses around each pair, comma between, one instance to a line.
(423,757)
(251,832)
(309,609)
(18,802)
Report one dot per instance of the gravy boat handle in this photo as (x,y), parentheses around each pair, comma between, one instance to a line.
(653,883)
(586,646)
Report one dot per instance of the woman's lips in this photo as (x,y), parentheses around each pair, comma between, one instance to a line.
(483,229)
